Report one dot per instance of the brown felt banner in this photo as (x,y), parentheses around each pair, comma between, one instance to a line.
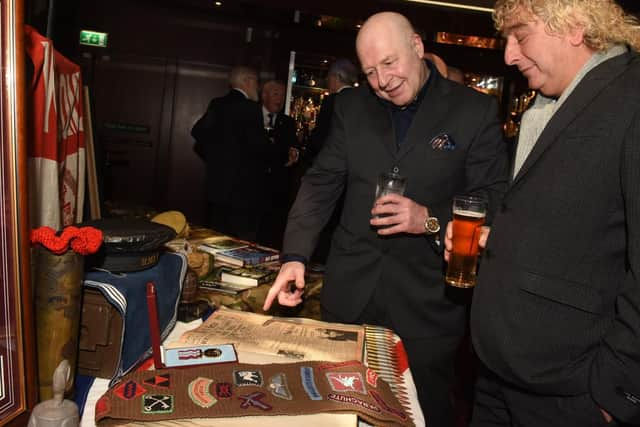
(237,390)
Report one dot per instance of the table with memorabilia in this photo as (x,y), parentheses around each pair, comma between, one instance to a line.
(222,360)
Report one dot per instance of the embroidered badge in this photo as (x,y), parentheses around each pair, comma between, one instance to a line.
(199,392)
(103,406)
(385,406)
(160,380)
(255,400)
(372,377)
(224,390)
(443,142)
(245,378)
(309,384)
(279,388)
(346,381)
(343,398)
(157,404)
(129,390)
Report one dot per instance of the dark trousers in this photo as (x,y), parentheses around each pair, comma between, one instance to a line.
(498,403)
(431,361)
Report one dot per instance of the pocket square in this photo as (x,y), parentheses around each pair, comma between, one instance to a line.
(443,142)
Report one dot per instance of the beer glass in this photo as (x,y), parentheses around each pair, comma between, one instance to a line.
(468,217)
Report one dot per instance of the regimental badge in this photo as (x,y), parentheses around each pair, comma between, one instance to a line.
(346,381)
(129,390)
(254,400)
(309,383)
(160,380)
(224,390)
(246,378)
(372,377)
(198,390)
(157,404)
(279,388)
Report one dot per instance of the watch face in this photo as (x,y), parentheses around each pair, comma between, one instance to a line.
(432,225)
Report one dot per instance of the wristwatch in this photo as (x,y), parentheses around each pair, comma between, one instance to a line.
(431,225)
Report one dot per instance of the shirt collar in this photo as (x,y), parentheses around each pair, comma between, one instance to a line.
(241,91)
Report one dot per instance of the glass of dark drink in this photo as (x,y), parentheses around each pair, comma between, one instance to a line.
(468,217)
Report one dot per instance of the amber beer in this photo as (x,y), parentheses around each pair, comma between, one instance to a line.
(468,217)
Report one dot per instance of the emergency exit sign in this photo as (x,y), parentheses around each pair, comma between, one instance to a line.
(93,38)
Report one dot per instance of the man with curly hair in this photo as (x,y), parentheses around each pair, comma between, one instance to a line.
(555,318)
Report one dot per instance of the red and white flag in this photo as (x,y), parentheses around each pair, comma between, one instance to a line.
(56,151)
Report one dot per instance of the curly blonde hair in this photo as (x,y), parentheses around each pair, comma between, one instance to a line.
(605,22)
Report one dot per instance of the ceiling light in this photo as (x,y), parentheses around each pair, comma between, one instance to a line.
(455,5)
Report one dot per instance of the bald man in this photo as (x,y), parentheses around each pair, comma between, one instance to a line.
(385,264)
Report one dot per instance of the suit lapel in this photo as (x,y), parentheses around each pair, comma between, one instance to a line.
(589,88)
(381,123)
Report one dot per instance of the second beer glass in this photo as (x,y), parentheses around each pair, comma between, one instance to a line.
(468,217)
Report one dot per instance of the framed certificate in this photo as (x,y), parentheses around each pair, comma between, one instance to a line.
(17,350)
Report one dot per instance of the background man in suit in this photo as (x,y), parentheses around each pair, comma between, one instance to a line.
(556,312)
(388,270)
(281,131)
(342,75)
(231,140)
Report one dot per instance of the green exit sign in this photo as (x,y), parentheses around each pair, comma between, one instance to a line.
(93,38)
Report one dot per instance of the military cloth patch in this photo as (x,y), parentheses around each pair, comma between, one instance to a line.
(129,390)
(198,390)
(255,400)
(157,404)
(224,390)
(346,381)
(279,388)
(246,378)
(160,380)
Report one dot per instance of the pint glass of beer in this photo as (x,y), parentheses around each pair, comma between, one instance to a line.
(468,217)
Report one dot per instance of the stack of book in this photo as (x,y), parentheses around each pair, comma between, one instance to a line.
(240,265)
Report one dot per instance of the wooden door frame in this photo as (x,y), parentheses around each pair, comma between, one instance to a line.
(19,388)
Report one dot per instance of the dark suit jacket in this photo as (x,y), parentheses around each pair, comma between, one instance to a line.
(406,268)
(557,306)
(323,125)
(231,140)
(283,137)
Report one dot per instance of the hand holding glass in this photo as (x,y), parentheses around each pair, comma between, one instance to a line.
(468,217)
(390,183)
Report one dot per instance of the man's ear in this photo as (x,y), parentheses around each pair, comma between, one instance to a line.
(575,36)
(418,47)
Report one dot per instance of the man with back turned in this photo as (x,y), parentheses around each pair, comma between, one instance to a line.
(387,270)
(555,317)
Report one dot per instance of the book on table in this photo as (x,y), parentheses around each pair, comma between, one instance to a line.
(250,275)
(221,243)
(249,255)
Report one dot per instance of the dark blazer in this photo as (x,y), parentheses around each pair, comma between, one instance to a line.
(323,125)
(361,144)
(557,305)
(232,141)
(282,137)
